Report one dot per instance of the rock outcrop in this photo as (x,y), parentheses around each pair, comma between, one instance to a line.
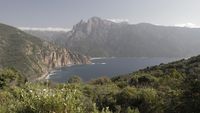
(55,57)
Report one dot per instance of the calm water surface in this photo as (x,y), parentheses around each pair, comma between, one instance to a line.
(106,67)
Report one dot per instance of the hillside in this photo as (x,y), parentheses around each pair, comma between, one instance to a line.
(166,88)
(100,37)
(31,55)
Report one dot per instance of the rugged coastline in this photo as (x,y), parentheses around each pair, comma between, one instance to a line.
(46,75)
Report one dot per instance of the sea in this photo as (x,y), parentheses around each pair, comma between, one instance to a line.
(105,66)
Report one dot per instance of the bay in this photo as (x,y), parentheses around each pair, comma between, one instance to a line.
(106,67)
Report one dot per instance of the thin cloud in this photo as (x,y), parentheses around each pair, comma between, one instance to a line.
(189,25)
(118,20)
(45,29)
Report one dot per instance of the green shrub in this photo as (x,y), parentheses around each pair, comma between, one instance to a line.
(74,79)
(145,99)
(101,81)
(11,77)
(37,98)
(142,79)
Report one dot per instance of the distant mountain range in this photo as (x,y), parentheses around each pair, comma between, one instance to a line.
(98,37)
(31,55)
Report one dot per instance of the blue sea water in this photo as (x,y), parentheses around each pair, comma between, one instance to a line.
(106,67)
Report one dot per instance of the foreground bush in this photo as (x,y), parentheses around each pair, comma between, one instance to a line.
(10,77)
(36,98)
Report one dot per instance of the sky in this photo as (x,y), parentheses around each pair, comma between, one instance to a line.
(66,13)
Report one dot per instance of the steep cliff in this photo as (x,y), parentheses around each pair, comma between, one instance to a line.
(31,55)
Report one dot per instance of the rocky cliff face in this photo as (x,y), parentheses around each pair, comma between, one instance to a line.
(32,56)
(50,56)
(58,57)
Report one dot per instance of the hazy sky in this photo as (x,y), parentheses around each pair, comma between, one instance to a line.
(66,13)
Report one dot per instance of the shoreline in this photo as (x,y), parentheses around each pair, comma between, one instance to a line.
(46,75)
(97,58)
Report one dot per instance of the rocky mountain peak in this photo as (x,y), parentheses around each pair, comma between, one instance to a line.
(90,24)
(95,19)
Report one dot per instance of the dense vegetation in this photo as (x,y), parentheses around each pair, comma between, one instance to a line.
(167,88)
